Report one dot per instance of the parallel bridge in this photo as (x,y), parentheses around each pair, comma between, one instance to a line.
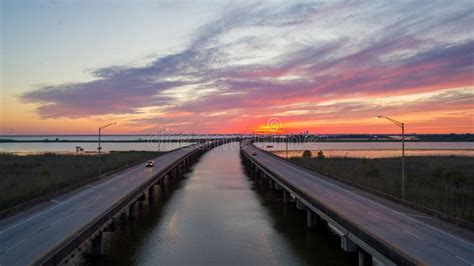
(53,232)
(379,231)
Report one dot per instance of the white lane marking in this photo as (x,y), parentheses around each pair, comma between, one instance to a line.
(420,216)
(380,205)
(26,220)
(389,209)
(464,260)
(17,244)
(410,233)
(373,214)
(45,211)
(81,193)
(42,229)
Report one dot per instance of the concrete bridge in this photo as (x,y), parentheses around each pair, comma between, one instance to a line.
(379,230)
(53,232)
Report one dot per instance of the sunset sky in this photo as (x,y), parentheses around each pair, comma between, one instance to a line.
(68,67)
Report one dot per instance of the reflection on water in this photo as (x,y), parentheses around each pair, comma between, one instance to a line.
(344,149)
(371,149)
(70,147)
(217,215)
(378,153)
(367,145)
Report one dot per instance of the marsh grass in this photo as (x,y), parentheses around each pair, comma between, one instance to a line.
(24,178)
(441,183)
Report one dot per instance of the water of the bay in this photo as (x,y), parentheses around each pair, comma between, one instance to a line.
(68,144)
(217,215)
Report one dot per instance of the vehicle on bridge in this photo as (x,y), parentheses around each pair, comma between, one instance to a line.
(150,164)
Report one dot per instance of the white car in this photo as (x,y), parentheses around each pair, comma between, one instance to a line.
(150,164)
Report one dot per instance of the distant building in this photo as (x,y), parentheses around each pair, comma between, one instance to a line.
(406,137)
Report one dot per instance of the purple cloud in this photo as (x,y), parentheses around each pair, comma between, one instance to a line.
(398,48)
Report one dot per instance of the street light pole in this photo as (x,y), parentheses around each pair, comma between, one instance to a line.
(402,126)
(403,160)
(100,148)
(159,140)
(287,141)
(162,129)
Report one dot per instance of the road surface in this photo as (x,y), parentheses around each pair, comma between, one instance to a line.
(29,235)
(425,239)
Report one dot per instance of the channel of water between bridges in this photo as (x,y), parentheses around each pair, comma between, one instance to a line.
(216,215)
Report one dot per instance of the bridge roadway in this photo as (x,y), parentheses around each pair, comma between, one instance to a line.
(50,232)
(366,224)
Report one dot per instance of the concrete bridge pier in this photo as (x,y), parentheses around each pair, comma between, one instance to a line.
(313,220)
(310,219)
(180,169)
(132,211)
(151,193)
(300,205)
(365,259)
(262,178)
(347,245)
(111,227)
(277,187)
(164,180)
(177,170)
(97,245)
(186,164)
(163,183)
(174,173)
(286,197)
(142,197)
(273,185)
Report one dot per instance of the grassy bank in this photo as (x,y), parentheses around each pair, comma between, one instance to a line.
(442,183)
(23,178)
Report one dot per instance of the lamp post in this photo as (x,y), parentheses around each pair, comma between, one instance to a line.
(402,126)
(100,148)
(287,140)
(255,131)
(160,140)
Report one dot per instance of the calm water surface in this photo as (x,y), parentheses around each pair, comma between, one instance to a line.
(55,144)
(371,149)
(70,147)
(216,215)
(331,149)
